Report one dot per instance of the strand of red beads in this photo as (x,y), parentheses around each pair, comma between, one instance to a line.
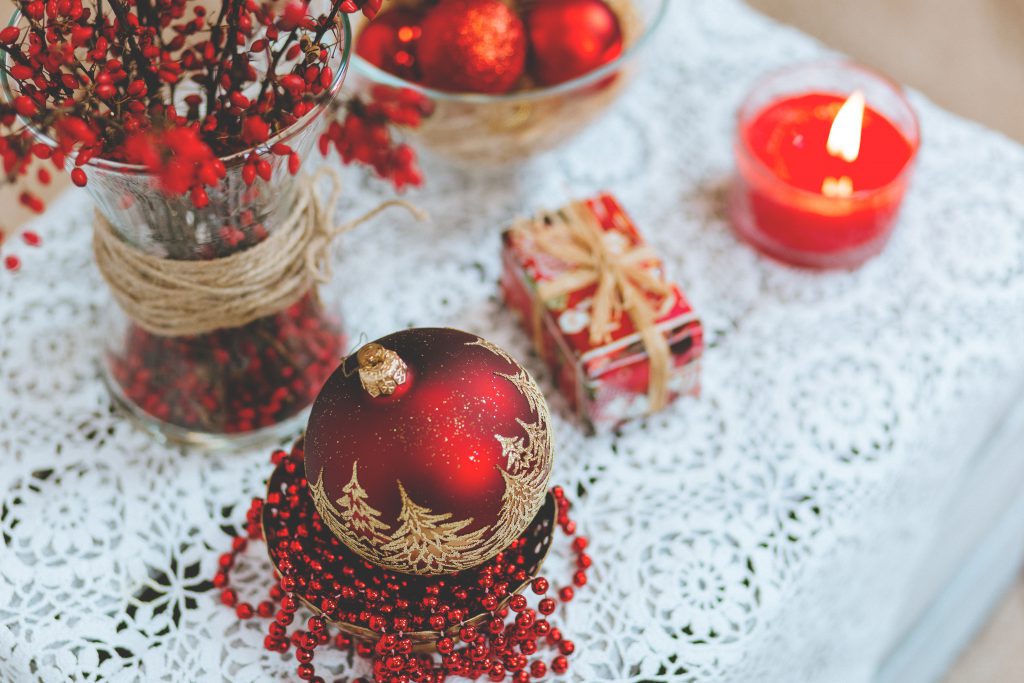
(316,569)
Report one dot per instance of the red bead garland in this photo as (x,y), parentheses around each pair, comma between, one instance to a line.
(318,570)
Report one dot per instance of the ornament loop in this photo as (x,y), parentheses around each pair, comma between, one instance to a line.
(381,370)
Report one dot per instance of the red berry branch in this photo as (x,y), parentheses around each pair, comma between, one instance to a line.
(167,85)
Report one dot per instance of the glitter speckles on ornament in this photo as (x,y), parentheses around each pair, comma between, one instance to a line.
(443,471)
(472,46)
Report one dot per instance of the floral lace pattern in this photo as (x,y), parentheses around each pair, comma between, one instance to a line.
(763,532)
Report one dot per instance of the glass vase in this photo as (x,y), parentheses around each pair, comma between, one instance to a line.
(237,385)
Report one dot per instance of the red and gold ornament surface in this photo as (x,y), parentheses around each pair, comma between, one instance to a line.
(443,473)
(570,38)
(472,46)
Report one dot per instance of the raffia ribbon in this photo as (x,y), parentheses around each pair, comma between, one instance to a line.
(624,285)
(172,298)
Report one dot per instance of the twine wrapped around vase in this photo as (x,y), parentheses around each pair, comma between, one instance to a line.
(173,298)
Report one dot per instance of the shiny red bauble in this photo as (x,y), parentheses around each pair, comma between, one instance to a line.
(472,46)
(428,451)
(389,42)
(570,38)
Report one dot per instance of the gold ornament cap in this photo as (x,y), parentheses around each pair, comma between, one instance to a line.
(381,370)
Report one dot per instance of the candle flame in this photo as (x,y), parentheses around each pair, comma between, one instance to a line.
(844,138)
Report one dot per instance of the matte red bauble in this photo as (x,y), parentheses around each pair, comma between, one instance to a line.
(570,38)
(389,42)
(428,451)
(472,46)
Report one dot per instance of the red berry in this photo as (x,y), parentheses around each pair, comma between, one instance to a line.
(12,263)
(293,83)
(31,202)
(24,105)
(80,35)
(78,177)
(263,169)
(255,130)
(294,15)
(199,197)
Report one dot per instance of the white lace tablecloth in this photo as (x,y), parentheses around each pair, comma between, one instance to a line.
(764,532)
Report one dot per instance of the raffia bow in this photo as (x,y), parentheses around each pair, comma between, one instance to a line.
(625,285)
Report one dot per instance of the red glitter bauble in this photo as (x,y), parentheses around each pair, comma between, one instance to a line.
(570,38)
(428,451)
(389,42)
(472,46)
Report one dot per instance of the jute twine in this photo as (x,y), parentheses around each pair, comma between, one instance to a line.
(172,298)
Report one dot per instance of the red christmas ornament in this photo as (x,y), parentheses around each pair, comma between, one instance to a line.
(570,38)
(389,42)
(472,46)
(428,451)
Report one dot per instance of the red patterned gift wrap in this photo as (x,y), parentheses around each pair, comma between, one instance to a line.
(620,340)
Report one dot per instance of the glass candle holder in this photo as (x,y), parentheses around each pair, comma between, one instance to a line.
(799,195)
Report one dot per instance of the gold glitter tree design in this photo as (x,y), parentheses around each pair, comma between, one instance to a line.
(362,519)
(430,543)
(353,519)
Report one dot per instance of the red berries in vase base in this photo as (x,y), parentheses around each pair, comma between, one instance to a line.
(230,381)
(495,46)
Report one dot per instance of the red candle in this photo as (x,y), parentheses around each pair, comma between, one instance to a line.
(824,156)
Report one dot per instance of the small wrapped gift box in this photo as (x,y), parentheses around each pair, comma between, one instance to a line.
(621,341)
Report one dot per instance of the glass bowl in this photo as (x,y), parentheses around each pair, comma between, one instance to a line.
(488,130)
